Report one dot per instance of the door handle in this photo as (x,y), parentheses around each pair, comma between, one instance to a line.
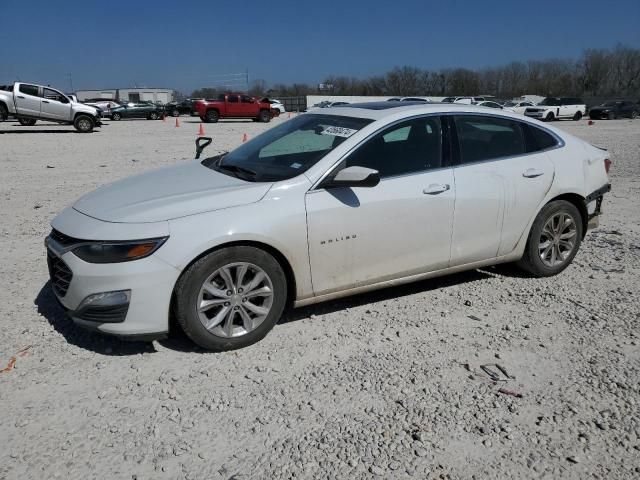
(20,96)
(532,173)
(436,188)
(45,101)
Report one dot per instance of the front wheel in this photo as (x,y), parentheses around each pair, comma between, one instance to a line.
(116,116)
(549,117)
(27,122)
(83,124)
(4,113)
(634,115)
(554,239)
(175,113)
(264,116)
(231,298)
(577,116)
(212,116)
(154,116)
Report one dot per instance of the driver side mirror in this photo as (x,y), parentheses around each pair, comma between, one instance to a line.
(353,177)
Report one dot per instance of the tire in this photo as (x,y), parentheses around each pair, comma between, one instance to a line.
(154,116)
(4,113)
(577,116)
(211,116)
(226,314)
(264,116)
(175,113)
(557,256)
(27,122)
(84,124)
(550,117)
(116,116)
(634,115)
(611,116)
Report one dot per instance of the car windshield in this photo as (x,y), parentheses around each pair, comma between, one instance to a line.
(287,150)
(510,104)
(550,102)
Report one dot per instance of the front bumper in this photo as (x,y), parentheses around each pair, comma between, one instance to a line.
(148,281)
(539,114)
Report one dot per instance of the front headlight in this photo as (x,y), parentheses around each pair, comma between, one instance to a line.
(117,252)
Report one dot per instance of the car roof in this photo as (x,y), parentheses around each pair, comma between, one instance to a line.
(379,110)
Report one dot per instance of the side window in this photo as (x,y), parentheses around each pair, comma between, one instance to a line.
(246,99)
(487,138)
(50,94)
(232,99)
(537,139)
(409,147)
(29,89)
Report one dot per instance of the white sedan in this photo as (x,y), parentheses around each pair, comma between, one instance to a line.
(332,203)
(519,107)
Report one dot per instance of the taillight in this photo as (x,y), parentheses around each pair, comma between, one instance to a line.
(607,164)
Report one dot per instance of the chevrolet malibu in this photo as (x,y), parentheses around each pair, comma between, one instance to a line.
(332,203)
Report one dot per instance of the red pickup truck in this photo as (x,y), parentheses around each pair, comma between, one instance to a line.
(233,105)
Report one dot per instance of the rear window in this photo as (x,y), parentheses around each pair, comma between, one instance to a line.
(487,138)
(537,139)
(29,89)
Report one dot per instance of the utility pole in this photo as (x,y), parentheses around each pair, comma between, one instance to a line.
(71,82)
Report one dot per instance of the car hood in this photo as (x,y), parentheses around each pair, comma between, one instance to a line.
(168,193)
(600,108)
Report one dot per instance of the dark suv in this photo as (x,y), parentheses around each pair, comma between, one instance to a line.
(614,109)
(186,107)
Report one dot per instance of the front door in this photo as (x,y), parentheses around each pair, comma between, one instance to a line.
(401,227)
(247,106)
(233,106)
(28,100)
(55,105)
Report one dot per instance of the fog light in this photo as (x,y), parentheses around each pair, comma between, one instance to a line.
(106,299)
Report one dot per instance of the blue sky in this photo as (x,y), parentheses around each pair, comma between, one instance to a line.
(188,44)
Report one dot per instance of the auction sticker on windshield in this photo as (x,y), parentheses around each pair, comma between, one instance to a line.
(338,131)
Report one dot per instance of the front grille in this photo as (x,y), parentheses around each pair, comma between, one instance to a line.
(59,273)
(103,314)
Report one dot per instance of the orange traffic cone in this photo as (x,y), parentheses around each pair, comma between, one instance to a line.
(244,138)
(164,118)
(289,115)
(590,122)
(201,131)
(177,122)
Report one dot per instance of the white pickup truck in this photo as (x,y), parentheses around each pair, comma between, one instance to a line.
(29,103)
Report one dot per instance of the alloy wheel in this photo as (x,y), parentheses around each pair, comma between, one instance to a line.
(557,240)
(235,299)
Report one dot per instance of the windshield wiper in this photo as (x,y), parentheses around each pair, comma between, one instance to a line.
(237,169)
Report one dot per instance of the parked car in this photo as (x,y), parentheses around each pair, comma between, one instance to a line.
(185,107)
(233,105)
(103,105)
(557,108)
(331,203)
(275,104)
(326,104)
(30,103)
(147,110)
(415,99)
(465,100)
(615,109)
(518,107)
(491,104)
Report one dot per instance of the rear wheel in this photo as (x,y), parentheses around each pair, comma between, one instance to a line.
(4,112)
(212,116)
(175,113)
(634,115)
(27,122)
(83,124)
(550,117)
(154,116)
(116,116)
(554,239)
(231,298)
(264,116)
(577,116)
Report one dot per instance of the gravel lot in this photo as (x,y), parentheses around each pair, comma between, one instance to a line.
(384,385)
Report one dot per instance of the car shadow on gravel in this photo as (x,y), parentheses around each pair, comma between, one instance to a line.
(423,286)
(49,307)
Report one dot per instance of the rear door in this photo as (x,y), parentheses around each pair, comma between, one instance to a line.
(499,186)
(55,105)
(234,108)
(28,100)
